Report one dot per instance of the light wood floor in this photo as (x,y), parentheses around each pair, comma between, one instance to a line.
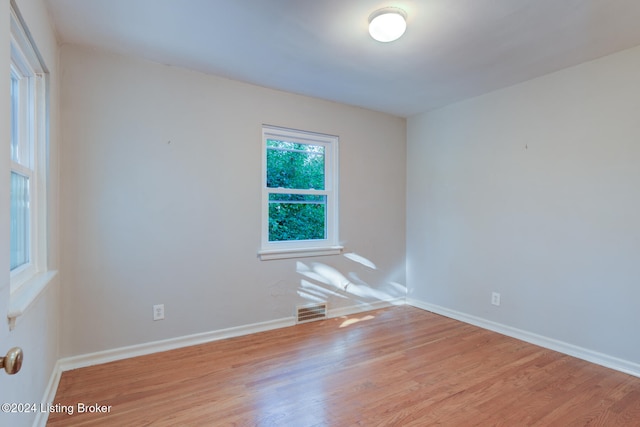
(400,366)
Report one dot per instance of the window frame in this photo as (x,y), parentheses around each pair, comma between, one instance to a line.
(24,163)
(302,248)
(28,280)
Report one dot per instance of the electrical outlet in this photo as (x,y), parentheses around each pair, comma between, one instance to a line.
(158,312)
(495,298)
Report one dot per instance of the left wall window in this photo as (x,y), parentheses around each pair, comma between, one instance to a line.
(28,156)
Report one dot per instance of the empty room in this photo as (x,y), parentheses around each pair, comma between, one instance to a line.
(320,213)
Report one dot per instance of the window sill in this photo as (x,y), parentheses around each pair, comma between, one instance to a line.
(269,254)
(22,298)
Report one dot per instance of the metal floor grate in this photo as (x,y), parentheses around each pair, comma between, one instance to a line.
(309,313)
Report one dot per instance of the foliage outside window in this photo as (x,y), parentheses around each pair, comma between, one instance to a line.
(299,193)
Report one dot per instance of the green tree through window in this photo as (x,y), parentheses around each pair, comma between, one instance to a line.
(297,214)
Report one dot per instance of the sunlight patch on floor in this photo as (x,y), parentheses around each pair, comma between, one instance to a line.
(352,321)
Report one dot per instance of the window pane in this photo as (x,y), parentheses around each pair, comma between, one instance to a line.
(19,220)
(297,217)
(293,165)
(15,114)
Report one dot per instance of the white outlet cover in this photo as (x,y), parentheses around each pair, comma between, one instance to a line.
(158,312)
(495,298)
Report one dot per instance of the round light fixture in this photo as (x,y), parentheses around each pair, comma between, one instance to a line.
(388,24)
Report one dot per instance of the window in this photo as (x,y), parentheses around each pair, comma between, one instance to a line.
(28,158)
(299,194)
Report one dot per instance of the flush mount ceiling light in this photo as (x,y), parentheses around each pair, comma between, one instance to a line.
(388,24)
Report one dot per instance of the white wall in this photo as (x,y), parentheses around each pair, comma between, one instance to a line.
(532,191)
(36,331)
(161,202)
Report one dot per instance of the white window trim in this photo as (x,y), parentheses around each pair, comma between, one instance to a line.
(29,281)
(302,248)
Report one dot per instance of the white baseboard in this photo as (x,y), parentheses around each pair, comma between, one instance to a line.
(605,360)
(75,362)
(85,360)
(49,396)
(82,361)
(106,356)
(361,308)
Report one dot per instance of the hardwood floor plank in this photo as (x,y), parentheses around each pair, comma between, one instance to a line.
(400,366)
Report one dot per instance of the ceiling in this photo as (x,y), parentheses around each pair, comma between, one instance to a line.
(452,49)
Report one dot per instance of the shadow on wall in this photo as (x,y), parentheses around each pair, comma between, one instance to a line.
(323,283)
